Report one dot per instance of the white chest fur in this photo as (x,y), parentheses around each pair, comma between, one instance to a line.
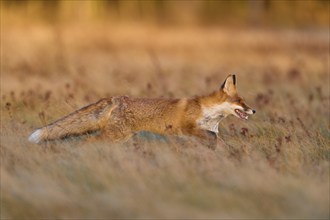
(211,116)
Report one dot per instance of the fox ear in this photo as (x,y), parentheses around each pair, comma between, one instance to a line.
(229,85)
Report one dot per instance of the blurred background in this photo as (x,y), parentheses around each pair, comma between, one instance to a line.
(161,42)
(249,13)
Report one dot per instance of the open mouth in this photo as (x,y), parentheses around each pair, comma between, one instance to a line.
(241,114)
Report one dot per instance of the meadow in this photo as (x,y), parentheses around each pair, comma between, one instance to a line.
(275,165)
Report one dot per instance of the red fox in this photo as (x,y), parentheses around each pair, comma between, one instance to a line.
(118,118)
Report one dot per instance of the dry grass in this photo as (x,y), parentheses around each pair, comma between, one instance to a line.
(276,165)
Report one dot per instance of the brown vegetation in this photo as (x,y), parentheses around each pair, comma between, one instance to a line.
(275,165)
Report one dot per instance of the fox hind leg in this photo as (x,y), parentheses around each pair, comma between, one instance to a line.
(116,134)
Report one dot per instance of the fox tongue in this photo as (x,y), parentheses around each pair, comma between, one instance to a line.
(241,114)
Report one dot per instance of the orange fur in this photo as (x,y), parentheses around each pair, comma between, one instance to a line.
(120,117)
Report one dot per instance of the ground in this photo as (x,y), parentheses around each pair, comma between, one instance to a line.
(274,165)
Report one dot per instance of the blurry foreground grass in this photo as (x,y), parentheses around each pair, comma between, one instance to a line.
(274,165)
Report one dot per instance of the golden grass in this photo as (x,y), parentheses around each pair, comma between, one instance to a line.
(276,165)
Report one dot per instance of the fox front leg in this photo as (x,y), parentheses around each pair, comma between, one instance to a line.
(212,139)
(209,138)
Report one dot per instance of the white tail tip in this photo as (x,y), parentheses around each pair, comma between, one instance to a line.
(35,136)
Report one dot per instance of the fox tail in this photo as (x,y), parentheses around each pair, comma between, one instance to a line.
(87,119)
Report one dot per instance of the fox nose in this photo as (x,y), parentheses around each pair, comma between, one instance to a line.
(254,111)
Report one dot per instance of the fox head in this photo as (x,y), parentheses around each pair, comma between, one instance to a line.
(234,104)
